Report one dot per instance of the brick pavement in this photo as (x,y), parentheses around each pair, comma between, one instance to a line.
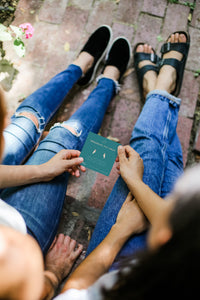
(58,22)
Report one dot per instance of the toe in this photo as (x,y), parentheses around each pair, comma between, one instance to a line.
(60,239)
(78,251)
(150,50)
(72,245)
(66,241)
(182,38)
(171,39)
(176,37)
(140,48)
(145,48)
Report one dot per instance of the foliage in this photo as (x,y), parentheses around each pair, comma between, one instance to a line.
(15,35)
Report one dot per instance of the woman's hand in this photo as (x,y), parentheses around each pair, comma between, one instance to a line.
(63,161)
(130,164)
(130,219)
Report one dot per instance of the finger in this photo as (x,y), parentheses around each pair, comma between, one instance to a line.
(118,166)
(82,168)
(129,197)
(74,162)
(75,153)
(130,151)
(77,173)
(121,154)
(70,153)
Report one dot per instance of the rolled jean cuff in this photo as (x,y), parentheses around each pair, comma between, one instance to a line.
(116,83)
(75,68)
(164,94)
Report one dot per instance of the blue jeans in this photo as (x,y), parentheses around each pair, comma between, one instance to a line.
(154,137)
(41,204)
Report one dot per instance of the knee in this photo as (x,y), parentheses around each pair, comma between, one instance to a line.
(30,116)
(72,126)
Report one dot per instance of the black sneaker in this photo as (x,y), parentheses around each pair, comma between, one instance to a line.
(119,55)
(97,46)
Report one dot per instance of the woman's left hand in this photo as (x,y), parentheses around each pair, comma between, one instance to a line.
(63,161)
(131,219)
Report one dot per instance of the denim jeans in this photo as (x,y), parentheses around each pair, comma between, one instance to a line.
(41,204)
(154,137)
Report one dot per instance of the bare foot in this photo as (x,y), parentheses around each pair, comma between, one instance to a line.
(62,255)
(167,76)
(84,61)
(150,77)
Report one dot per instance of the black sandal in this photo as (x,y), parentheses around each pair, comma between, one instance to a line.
(140,56)
(179,65)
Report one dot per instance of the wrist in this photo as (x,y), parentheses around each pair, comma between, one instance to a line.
(119,235)
(132,182)
(52,278)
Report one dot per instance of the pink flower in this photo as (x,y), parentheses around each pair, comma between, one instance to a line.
(27,29)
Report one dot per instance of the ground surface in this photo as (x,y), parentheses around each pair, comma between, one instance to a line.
(61,28)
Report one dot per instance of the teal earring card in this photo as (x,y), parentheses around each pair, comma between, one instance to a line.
(99,153)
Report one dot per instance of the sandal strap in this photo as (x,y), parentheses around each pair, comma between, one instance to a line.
(145,69)
(140,56)
(179,47)
(171,62)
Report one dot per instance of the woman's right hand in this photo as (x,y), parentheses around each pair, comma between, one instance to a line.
(130,164)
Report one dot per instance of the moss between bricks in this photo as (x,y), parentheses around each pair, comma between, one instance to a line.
(7,10)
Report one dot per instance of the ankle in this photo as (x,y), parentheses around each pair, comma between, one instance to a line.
(84,61)
(112,73)
(166,80)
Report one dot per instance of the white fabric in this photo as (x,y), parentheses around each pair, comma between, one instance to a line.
(10,217)
(93,292)
(73,294)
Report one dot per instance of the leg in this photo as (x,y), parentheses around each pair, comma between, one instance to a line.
(69,135)
(41,204)
(173,168)
(33,114)
(154,138)
(151,137)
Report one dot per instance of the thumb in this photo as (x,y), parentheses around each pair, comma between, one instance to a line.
(74,161)
(121,154)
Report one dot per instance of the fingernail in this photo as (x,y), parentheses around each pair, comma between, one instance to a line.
(120,147)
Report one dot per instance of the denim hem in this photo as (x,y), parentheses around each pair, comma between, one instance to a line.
(164,94)
(75,66)
(116,83)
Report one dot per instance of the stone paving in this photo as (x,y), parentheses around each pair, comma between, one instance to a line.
(61,28)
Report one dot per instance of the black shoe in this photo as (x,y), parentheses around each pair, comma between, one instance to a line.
(119,55)
(97,46)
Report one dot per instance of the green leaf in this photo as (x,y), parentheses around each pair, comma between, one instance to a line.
(159,38)
(17,42)
(19,47)
(18,31)
(197,73)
